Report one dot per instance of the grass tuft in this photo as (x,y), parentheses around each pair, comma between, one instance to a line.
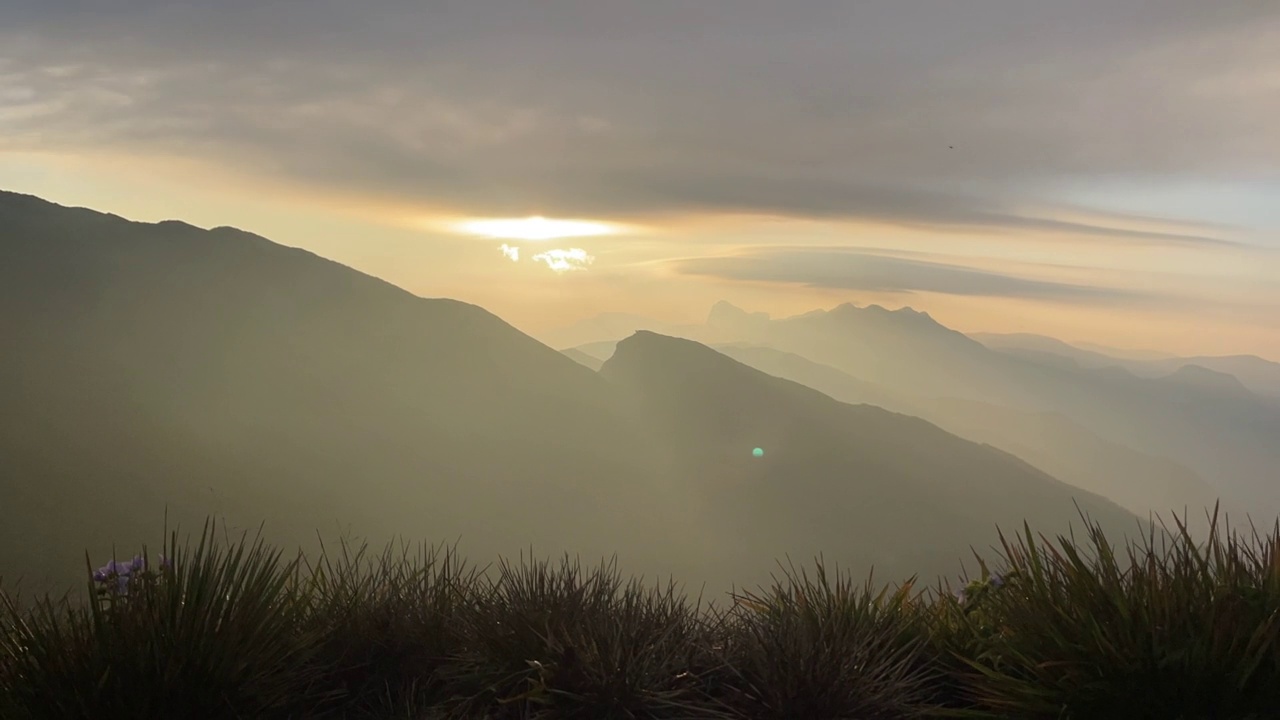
(824,647)
(547,640)
(1161,626)
(388,624)
(219,634)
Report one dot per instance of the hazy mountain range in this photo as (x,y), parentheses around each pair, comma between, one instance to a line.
(1249,371)
(1051,441)
(1174,434)
(154,366)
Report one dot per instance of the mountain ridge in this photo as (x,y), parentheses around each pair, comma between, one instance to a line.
(164,367)
(800,429)
(1220,434)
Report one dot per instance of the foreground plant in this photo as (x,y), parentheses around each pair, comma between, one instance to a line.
(219,634)
(114,579)
(1167,629)
(555,641)
(389,623)
(9,646)
(822,647)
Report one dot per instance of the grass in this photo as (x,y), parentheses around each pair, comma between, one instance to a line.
(223,633)
(387,625)
(1162,627)
(544,640)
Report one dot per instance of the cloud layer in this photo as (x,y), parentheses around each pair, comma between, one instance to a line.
(945,115)
(859,271)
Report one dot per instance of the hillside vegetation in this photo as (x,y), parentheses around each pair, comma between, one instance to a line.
(1048,628)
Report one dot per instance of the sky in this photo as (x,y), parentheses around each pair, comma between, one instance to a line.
(1100,170)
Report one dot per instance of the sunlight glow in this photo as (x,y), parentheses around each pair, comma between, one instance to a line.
(533,228)
(565,260)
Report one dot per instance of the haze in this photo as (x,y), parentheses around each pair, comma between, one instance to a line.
(547,273)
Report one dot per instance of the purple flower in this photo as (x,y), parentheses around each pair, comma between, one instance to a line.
(117,568)
(121,571)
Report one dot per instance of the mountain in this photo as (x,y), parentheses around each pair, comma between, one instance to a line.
(863,484)
(613,326)
(825,379)
(159,365)
(1128,353)
(598,351)
(887,347)
(582,358)
(735,321)
(1200,377)
(1224,437)
(1041,345)
(1139,482)
(154,367)
(1259,375)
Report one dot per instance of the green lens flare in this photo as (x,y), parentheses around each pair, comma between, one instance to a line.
(758,452)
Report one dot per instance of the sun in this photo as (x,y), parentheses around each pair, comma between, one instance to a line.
(533,228)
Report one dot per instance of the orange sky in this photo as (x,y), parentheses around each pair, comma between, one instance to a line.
(1098,170)
(1203,301)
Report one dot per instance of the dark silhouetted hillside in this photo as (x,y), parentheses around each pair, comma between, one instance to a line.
(216,371)
(160,365)
(582,358)
(862,484)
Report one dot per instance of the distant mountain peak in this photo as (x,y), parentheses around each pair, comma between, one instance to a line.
(655,352)
(727,316)
(724,307)
(1200,376)
(905,311)
(648,340)
(903,316)
(851,307)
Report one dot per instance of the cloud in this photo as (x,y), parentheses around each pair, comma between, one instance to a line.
(511,252)
(852,270)
(565,260)
(944,115)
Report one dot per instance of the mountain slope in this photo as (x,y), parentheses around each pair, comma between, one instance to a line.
(1066,450)
(1257,374)
(589,361)
(862,484)
(1226,438)
(1136,481)
(162,365)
